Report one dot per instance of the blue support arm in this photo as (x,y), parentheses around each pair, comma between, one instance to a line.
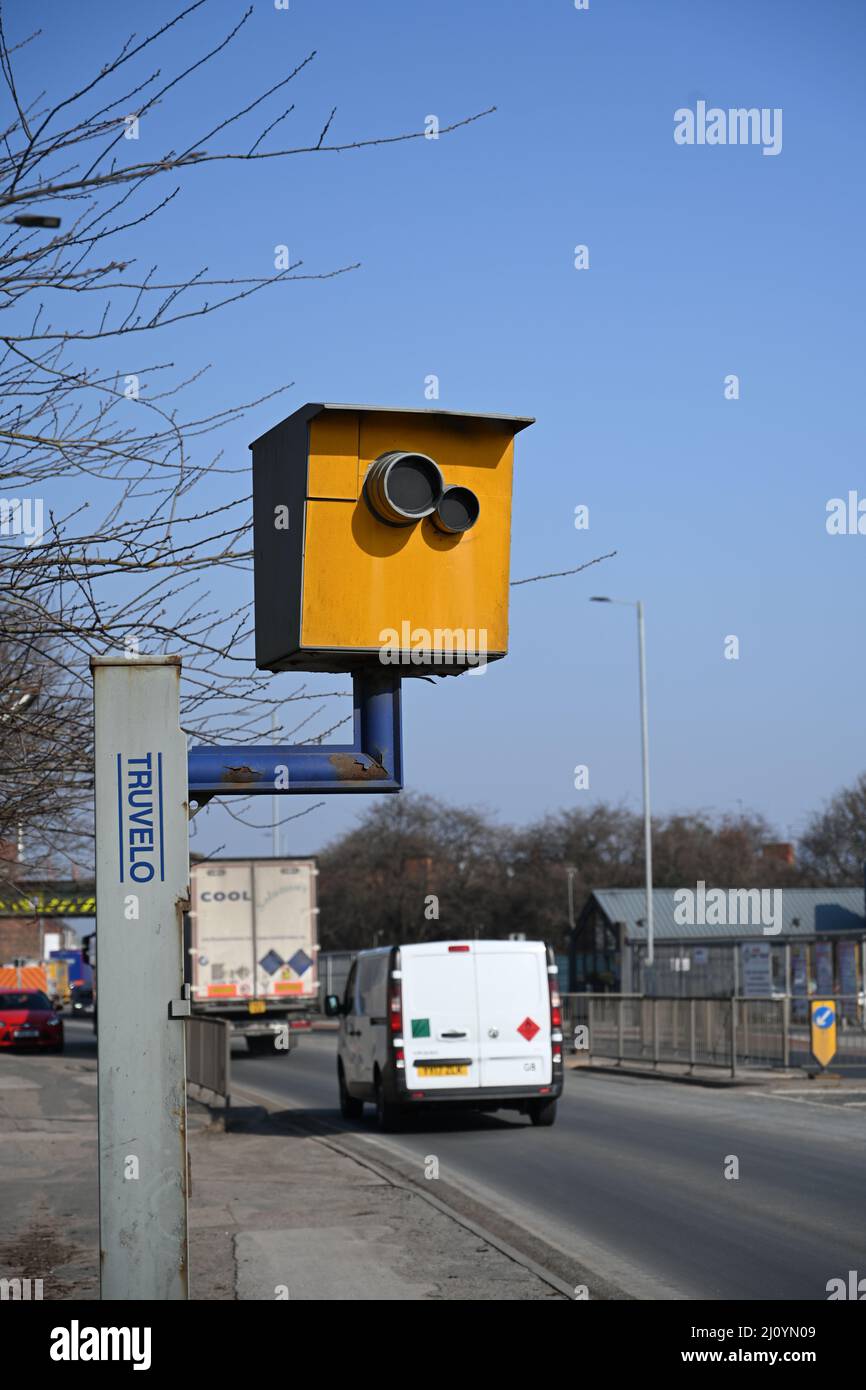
(373,762)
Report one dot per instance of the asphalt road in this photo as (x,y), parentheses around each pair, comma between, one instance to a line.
(630,1182)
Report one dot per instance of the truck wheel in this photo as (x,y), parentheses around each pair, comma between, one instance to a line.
(261,1047)
(542,1112)
(350,1108)
(388,1115)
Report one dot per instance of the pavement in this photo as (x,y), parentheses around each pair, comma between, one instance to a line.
(275,1212)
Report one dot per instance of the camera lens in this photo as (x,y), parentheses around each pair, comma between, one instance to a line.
(457,511)
(401,488)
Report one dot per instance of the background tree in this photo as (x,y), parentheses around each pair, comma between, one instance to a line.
(490,879)
(413,869)
(833,845)
(119,510)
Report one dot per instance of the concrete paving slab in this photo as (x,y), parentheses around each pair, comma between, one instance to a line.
(327,1263)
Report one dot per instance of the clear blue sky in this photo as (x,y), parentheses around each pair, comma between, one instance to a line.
(703,262)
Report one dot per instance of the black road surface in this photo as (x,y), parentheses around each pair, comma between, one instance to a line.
(630,1182)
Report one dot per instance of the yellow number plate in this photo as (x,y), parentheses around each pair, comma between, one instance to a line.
(256,1006)
(443,1071)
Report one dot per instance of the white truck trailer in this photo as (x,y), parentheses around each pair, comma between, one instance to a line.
(251,946)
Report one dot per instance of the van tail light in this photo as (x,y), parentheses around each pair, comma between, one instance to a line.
(395,1006)
(555,1016)
(458,948)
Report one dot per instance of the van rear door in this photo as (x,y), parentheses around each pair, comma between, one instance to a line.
(513,1013)
(440,1016)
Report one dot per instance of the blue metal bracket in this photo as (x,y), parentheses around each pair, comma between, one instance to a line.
(373,762)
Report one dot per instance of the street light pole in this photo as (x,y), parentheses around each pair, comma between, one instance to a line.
(647,824)
(644,732)
(572,937)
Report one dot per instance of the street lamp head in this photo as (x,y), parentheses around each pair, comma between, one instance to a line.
(624,602)
(33,219)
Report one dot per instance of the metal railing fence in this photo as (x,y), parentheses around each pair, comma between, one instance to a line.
(706,1032)
(209,1057)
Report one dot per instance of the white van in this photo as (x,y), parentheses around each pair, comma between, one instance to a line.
(470,1022)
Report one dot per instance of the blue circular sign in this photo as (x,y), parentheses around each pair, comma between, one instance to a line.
(824,1017)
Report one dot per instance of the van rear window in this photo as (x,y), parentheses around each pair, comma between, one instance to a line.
(372,978)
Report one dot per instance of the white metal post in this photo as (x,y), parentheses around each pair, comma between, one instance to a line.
(572,942)
(647,825)
(142,886)
(644,734)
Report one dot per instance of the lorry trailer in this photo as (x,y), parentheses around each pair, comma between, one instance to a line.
(250,947)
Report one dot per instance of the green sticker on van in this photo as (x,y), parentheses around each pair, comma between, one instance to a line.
(420,1027)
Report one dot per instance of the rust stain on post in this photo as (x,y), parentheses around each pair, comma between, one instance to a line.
(242,775)
(353,769)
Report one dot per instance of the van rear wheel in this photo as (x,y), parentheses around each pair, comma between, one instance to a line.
(350,1108)
(388,1115)
(542,1112)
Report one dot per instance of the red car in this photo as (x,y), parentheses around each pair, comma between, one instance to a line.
(28,1019)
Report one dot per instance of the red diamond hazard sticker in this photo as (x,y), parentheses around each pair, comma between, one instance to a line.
(528,1028)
